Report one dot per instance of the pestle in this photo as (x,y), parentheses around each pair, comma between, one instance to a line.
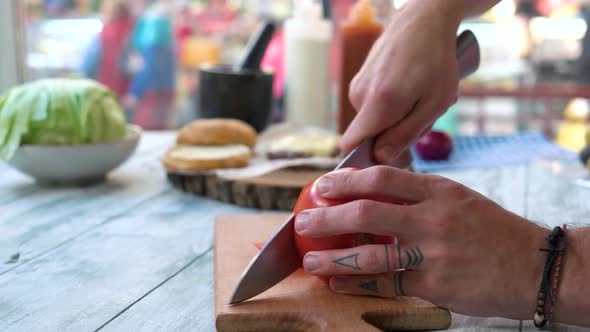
(327,9)
(256,47)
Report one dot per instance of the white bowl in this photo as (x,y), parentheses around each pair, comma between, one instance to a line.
(75,164)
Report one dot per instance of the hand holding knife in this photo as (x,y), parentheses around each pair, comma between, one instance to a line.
(279,257)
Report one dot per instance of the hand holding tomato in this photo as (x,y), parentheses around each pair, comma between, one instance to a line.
(457,249)
(310,197)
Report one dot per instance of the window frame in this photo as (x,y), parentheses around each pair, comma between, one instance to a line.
(12,37)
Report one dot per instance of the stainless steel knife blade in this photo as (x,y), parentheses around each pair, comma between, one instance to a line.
(279,257)
(275,261)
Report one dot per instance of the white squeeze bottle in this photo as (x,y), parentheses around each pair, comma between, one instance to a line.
(308,36)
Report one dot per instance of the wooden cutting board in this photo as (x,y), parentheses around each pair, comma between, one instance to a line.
(274,191)
(301,302)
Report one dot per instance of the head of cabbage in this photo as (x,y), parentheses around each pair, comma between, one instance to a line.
(59,112)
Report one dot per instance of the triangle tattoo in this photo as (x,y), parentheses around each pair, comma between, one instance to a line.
(370,285)
(351,261)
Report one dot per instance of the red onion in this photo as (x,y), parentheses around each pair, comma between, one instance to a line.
(435,145)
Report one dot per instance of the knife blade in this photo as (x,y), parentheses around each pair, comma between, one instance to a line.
(279,257)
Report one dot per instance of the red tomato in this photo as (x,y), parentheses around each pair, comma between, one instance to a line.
(309,199)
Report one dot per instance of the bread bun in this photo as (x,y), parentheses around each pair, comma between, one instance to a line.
(204,158)
(217,132)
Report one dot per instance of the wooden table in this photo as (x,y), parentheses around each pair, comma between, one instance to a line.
(134,254)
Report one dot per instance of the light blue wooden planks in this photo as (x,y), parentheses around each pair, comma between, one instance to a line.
(553,198)
(506,186)
(91,279)
(44,218)
(185,303)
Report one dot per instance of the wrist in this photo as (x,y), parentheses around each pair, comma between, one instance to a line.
(530,276)
(451,11)
(440,16)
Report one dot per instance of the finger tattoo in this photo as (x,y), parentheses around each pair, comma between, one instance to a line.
(397,284)
(370,285)
(399,256)
(351,261)
(386,247)
(415,257)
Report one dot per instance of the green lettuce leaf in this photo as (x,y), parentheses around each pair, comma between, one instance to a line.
(59,112)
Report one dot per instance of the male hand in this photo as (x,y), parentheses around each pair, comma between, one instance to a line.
(409,79)
(457,249)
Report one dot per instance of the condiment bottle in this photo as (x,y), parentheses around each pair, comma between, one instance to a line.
(308,37)
(358,34)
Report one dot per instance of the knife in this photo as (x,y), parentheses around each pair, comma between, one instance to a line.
(279,257)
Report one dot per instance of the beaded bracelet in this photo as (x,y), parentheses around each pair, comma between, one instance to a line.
(549,282)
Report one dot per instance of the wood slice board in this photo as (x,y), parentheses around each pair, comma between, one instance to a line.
(274,191)
(301,302)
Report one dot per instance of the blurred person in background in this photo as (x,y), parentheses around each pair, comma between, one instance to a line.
(58,7)
(216,18)
(183,28)
(104,58)
(152,88)
(187,55)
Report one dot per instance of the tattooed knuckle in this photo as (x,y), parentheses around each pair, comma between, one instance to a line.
(349,261)
(413,258)
(372,286)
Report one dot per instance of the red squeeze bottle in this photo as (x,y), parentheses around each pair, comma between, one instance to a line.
(358,34)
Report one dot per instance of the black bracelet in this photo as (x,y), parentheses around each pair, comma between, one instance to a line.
(556,242)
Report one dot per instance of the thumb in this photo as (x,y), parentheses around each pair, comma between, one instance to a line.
(373,119)
(400,138)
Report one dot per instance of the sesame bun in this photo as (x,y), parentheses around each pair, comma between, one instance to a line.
(217,132)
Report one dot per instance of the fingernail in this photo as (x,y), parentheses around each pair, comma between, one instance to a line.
(302,221)
(325,184)
(385,153)
(337,284)
(310,263)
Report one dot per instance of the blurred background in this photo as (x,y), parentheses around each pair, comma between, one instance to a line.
(534,74)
